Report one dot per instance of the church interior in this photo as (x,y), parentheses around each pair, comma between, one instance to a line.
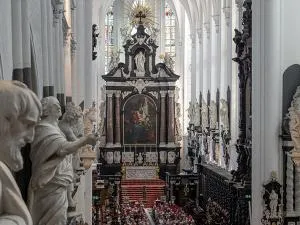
(167,112)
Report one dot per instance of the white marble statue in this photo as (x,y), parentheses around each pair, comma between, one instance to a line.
(197,114)
(213,115)
(114,60)
(19,114)
(69,124)
(140,62)
(224,114)
(170,63)
(204,114)
(273,204)
(294,114)
(191,113)
(52,170)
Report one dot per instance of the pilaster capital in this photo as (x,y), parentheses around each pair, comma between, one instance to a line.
(118,94)
(171,93)
(207,29)
(163,93)
(227,14)
(217,20)
(199,32)
(109,93)
(193,39)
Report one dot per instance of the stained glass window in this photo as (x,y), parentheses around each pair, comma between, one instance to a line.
(170,31)
(109,41)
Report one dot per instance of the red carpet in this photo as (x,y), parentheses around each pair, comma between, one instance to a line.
(146,191)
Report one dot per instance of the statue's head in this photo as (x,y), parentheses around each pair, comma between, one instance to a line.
(19,113)
(51,107)
(73,113)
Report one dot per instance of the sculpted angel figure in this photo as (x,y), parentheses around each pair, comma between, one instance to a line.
(191,113)
(224,114)
(213,115)
(69,124)
(204,114)
(197,114)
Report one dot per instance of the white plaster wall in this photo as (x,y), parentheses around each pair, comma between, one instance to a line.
(6,65)
(266,97)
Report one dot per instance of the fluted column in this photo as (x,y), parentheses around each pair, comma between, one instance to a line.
(171,118)
(26,46)
(73,46)
(57,17)
(16,17)
(215,57)
(118,121)
(200,61)
(89,78)
(206,60)
(163,118)
(45,48)
(193,66)
(50,47)
(110,131)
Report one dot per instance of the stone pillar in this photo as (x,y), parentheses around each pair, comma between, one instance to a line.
(193,66)
(110,131)
(45,49)
(215,57)
(73,43)
(118,120)
(16,17)
(200,61)
(171,118)
(89,78)
(50,32)
(206,61)
(266,86)
(163,118)
(26,45)
(57,17)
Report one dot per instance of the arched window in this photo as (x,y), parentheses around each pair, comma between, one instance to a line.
(170,31)
(109,41)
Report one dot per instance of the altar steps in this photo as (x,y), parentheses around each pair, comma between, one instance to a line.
(137,190)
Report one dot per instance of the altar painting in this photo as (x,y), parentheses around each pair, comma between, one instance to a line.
(139,121)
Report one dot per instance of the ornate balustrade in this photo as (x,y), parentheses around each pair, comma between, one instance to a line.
(216,185)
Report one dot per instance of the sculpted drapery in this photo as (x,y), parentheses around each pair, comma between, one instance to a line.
(51,176)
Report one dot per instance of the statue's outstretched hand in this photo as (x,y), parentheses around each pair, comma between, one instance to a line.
(91,139)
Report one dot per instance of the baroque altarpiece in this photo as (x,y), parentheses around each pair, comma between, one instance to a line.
(140,124)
